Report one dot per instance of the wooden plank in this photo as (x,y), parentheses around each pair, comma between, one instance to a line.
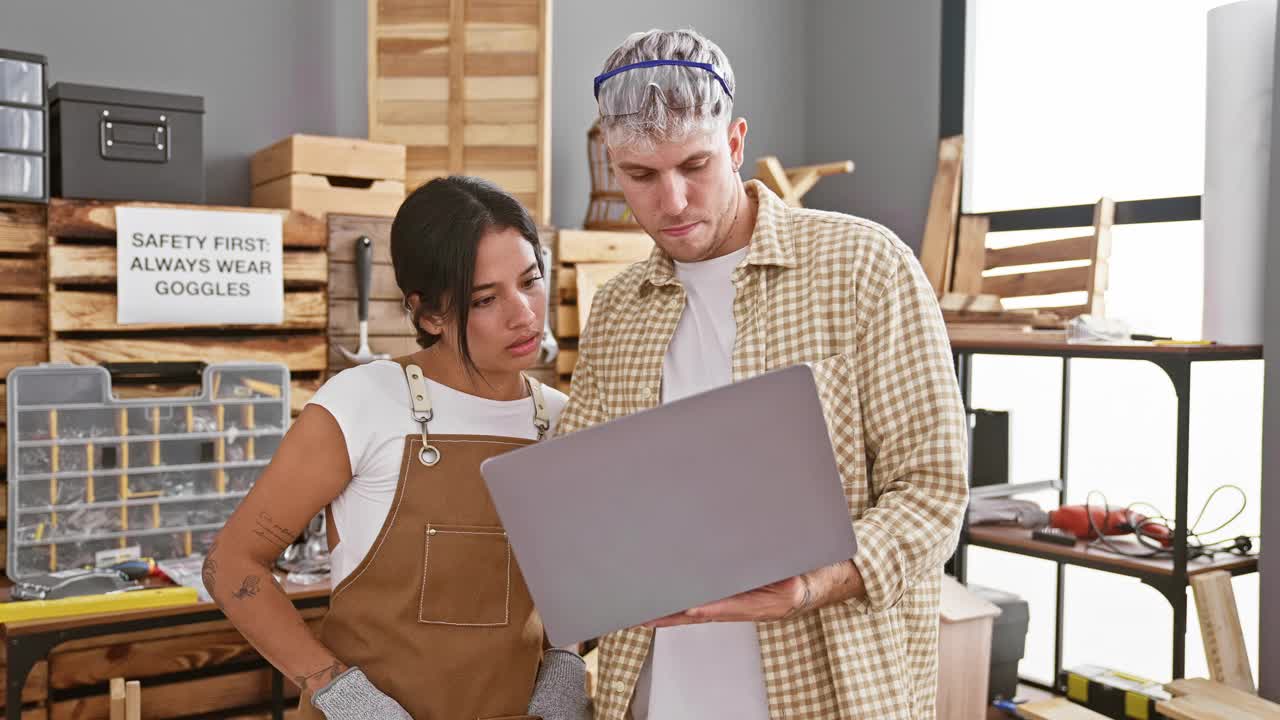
(1247,703)
(514,134)
(386,317)
(516,182)
(344,230)
(591,277)
(97,219)
(193,697)
(937,246)
(499,157)
(24,318)
(342,283)
(300,352)
(457,81)
(393,345)
(566,360)
(1104,215)
(596,246)
(509,13)
(23,276)
(409,11)
(971,250)
(81,264)
(22,227)
(324,155)
(78,311)
(567,321)
(37,687)
(1224,647)
(16,353)
(1057,709)
(1217,707)
(1046,282)
(1066,249)
(117,699)
(133,700)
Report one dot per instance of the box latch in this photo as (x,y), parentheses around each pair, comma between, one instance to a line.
(138,140)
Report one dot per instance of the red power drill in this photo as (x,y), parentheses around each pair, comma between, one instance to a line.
(1075,520)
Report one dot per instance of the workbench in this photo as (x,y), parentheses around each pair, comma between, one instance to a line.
(193,651)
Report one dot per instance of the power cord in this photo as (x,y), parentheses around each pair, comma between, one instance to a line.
(1242,545)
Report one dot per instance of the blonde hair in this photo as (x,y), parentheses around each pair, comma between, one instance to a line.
(650,119)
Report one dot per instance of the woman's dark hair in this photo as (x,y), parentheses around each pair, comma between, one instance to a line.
(433,246)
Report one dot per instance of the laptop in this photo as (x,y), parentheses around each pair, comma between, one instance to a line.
(674,507)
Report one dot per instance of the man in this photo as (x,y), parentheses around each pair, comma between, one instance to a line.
(739,284)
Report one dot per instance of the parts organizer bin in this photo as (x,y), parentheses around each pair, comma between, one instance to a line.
(24,127)
(91,473)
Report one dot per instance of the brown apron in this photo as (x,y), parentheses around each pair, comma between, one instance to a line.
(437,614)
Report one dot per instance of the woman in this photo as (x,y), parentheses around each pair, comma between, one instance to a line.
(429,616)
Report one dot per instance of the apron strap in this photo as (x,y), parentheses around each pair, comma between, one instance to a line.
(541,419)
(420,399)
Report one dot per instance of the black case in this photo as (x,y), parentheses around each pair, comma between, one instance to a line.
(113,144)
(1008,640)
(24,114)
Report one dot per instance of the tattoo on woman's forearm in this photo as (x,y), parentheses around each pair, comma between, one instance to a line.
(209,572)
(275,535)
(248,588)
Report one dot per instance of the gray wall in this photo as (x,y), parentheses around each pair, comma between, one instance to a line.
(265,69)
(873,99)
(1269,564)
(764,39)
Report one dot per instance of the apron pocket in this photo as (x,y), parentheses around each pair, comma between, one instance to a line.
(466,576)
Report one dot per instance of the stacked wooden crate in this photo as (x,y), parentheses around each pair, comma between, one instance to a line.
(464,84)
(586,260)
(319,175)
(24,312)
(82,303)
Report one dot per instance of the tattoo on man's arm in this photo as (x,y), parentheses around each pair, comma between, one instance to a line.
(277,536)
(209,572)
(248,588)
(319,678)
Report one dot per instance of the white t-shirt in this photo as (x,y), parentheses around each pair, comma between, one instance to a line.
(712,670)
(371,404)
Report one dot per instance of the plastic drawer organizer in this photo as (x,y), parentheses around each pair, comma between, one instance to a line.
(91,474)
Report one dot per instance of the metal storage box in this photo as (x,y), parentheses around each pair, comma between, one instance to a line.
(23,128)
(92,474)
(112,144)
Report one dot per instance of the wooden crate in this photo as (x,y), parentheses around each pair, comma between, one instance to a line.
(82,302)
(464,84)
(585,261)
(24,309)
(320,175)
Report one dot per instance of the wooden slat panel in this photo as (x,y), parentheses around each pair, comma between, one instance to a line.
(23,276)
(386,317)
(423,156)
(413,11)
(516,182)
(342,283)
(575,246)
(484,37)
(72,311)
(15,353)
(482,156)
(393,345)
(97,219)
(516,87)
(427,58)
(413,112)
(96,265)
(193,697)
(344,230)
(971,247)
(937,247)
(499,64)
(300,353)
(1077,248)
(22,227)
(437,135)
(591,277)
(1047,282)
(413,88)
(506,11)
(24,318)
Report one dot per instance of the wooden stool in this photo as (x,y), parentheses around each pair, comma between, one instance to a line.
(791,184)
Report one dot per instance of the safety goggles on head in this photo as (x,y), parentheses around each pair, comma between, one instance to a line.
(679,85)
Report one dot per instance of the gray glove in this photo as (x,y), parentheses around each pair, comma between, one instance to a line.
(561,690)
(351,696)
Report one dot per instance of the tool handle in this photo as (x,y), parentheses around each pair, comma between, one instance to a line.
(364,274)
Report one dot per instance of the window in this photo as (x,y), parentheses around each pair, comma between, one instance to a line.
(1065,102)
